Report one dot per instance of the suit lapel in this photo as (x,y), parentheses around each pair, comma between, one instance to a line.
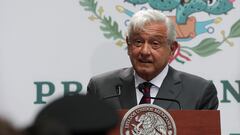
(128,93)
(170,89)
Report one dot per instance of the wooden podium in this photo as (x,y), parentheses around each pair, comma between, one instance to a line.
(188,122)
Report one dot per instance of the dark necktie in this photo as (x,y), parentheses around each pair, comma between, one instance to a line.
(145,89)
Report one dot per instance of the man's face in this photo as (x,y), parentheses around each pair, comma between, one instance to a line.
(149,50)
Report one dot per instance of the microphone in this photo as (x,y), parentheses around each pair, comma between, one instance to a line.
(118,91)
(141,87)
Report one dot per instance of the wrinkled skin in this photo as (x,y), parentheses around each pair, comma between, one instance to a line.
(146,61)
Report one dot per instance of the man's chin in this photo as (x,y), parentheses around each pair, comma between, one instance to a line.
(144,71)
(145,65)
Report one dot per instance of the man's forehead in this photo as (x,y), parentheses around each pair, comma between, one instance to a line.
(148,34)
(153,29)
(144,35)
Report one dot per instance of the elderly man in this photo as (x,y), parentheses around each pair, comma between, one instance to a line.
(151,43)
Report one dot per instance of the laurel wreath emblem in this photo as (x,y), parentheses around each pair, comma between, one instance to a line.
(109,27)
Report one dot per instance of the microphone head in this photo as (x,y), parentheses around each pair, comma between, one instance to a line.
(118,89)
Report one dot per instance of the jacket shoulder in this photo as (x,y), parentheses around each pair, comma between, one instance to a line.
(113,74)
(188,77)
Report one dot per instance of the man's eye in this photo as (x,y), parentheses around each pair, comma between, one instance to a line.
(138,42)
(156,43)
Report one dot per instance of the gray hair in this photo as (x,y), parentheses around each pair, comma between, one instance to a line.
(140,18)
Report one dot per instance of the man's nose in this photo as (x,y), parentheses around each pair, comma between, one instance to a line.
(146,49)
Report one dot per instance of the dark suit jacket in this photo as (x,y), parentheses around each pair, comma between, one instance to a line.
(191,91)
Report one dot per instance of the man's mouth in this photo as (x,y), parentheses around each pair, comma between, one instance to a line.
(145,61)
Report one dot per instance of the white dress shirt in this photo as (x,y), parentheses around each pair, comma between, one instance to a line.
(157,82)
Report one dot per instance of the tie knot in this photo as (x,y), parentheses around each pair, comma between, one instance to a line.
(145,87)
(147,84)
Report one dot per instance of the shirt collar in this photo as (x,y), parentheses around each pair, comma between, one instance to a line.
(157,81)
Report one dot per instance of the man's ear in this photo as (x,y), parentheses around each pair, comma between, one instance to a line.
(127,41)
(174,47)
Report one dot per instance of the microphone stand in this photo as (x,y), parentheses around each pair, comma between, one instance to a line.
(167,99)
